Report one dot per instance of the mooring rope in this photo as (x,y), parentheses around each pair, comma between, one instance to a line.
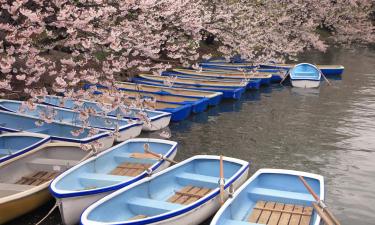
(49,213)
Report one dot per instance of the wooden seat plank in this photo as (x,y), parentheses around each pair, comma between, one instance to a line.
(129,169)
(275,215)
(192,195)
(265,215)
(305,220)
(37,178)
(183,198)
(295,218)
(285,217)
(174,198)
(137,217)
(201,193)
(256,212)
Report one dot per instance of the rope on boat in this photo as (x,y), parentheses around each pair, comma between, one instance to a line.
(49,213)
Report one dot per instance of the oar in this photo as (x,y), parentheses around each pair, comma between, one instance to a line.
(320,206)
(160,156)
(221,182)
(286,76)
(325,78)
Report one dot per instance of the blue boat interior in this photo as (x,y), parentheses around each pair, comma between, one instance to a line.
(66,116)
(273,188)
(10,145)
(24,123)
(164,193)
(305,71)
(121,164)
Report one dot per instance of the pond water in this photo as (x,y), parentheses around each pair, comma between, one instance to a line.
(329,131)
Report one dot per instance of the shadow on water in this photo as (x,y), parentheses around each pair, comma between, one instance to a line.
(330,131)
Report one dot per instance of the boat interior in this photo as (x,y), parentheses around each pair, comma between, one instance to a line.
(13,144)
(167,192)
(113,167)
(273,199)
(37,167)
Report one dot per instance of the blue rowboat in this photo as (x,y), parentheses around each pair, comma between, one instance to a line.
(328,70)
(125,128)
(252,83)
(227,66)
(305,75)
(116,168)
(158,119)
(225,87)
(15,144)
(186,193)
(25,178)
(14,122)
(273,196)
(228,93)
(214,98)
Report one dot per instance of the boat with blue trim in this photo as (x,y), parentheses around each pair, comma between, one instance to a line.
(118,167)
(24,180)
(15,144)
(227,66)
(328,70)
(14,122)
(228,93)
(214,98)
(305,75)
(186,193)
(157,119)
(126,129)
(273,196)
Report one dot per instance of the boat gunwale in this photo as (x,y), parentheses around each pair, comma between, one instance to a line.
(174,213)
(71,194)
(227,204)
(44,139)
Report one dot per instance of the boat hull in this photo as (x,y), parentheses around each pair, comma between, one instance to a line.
(158,124)
(71,208)
(305,83)
(24,204)
(128,133)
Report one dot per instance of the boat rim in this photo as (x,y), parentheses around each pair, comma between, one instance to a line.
(318,177)
(44,139)
(58,193)
(167,215)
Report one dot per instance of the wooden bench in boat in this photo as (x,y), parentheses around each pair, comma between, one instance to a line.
(282,194)
(275,213)
(37,178)
(189,194)
(130,169)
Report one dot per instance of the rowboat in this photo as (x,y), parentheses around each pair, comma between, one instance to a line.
(186,193)
(334,70)
(305,75)
(15,144)
(125,128)
(227,66)
(24,179)
(13,122)
(116,168)
(273,196)
(277,74)
(265,77)
(228,93)
(198,104)
(157,119)
(214,98)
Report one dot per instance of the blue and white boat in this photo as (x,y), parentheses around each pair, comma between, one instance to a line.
(14,122)
(231,92)
(305,75)
(15,144)
(214,98)
(158,119)
(227,66)
(328,70)
(186,193)
(125,128)
(273,196)
(116,168)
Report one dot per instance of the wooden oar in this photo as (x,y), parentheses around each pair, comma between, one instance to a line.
(221,182)
(320,206)
(286,76)
(160,156)
(325,78)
